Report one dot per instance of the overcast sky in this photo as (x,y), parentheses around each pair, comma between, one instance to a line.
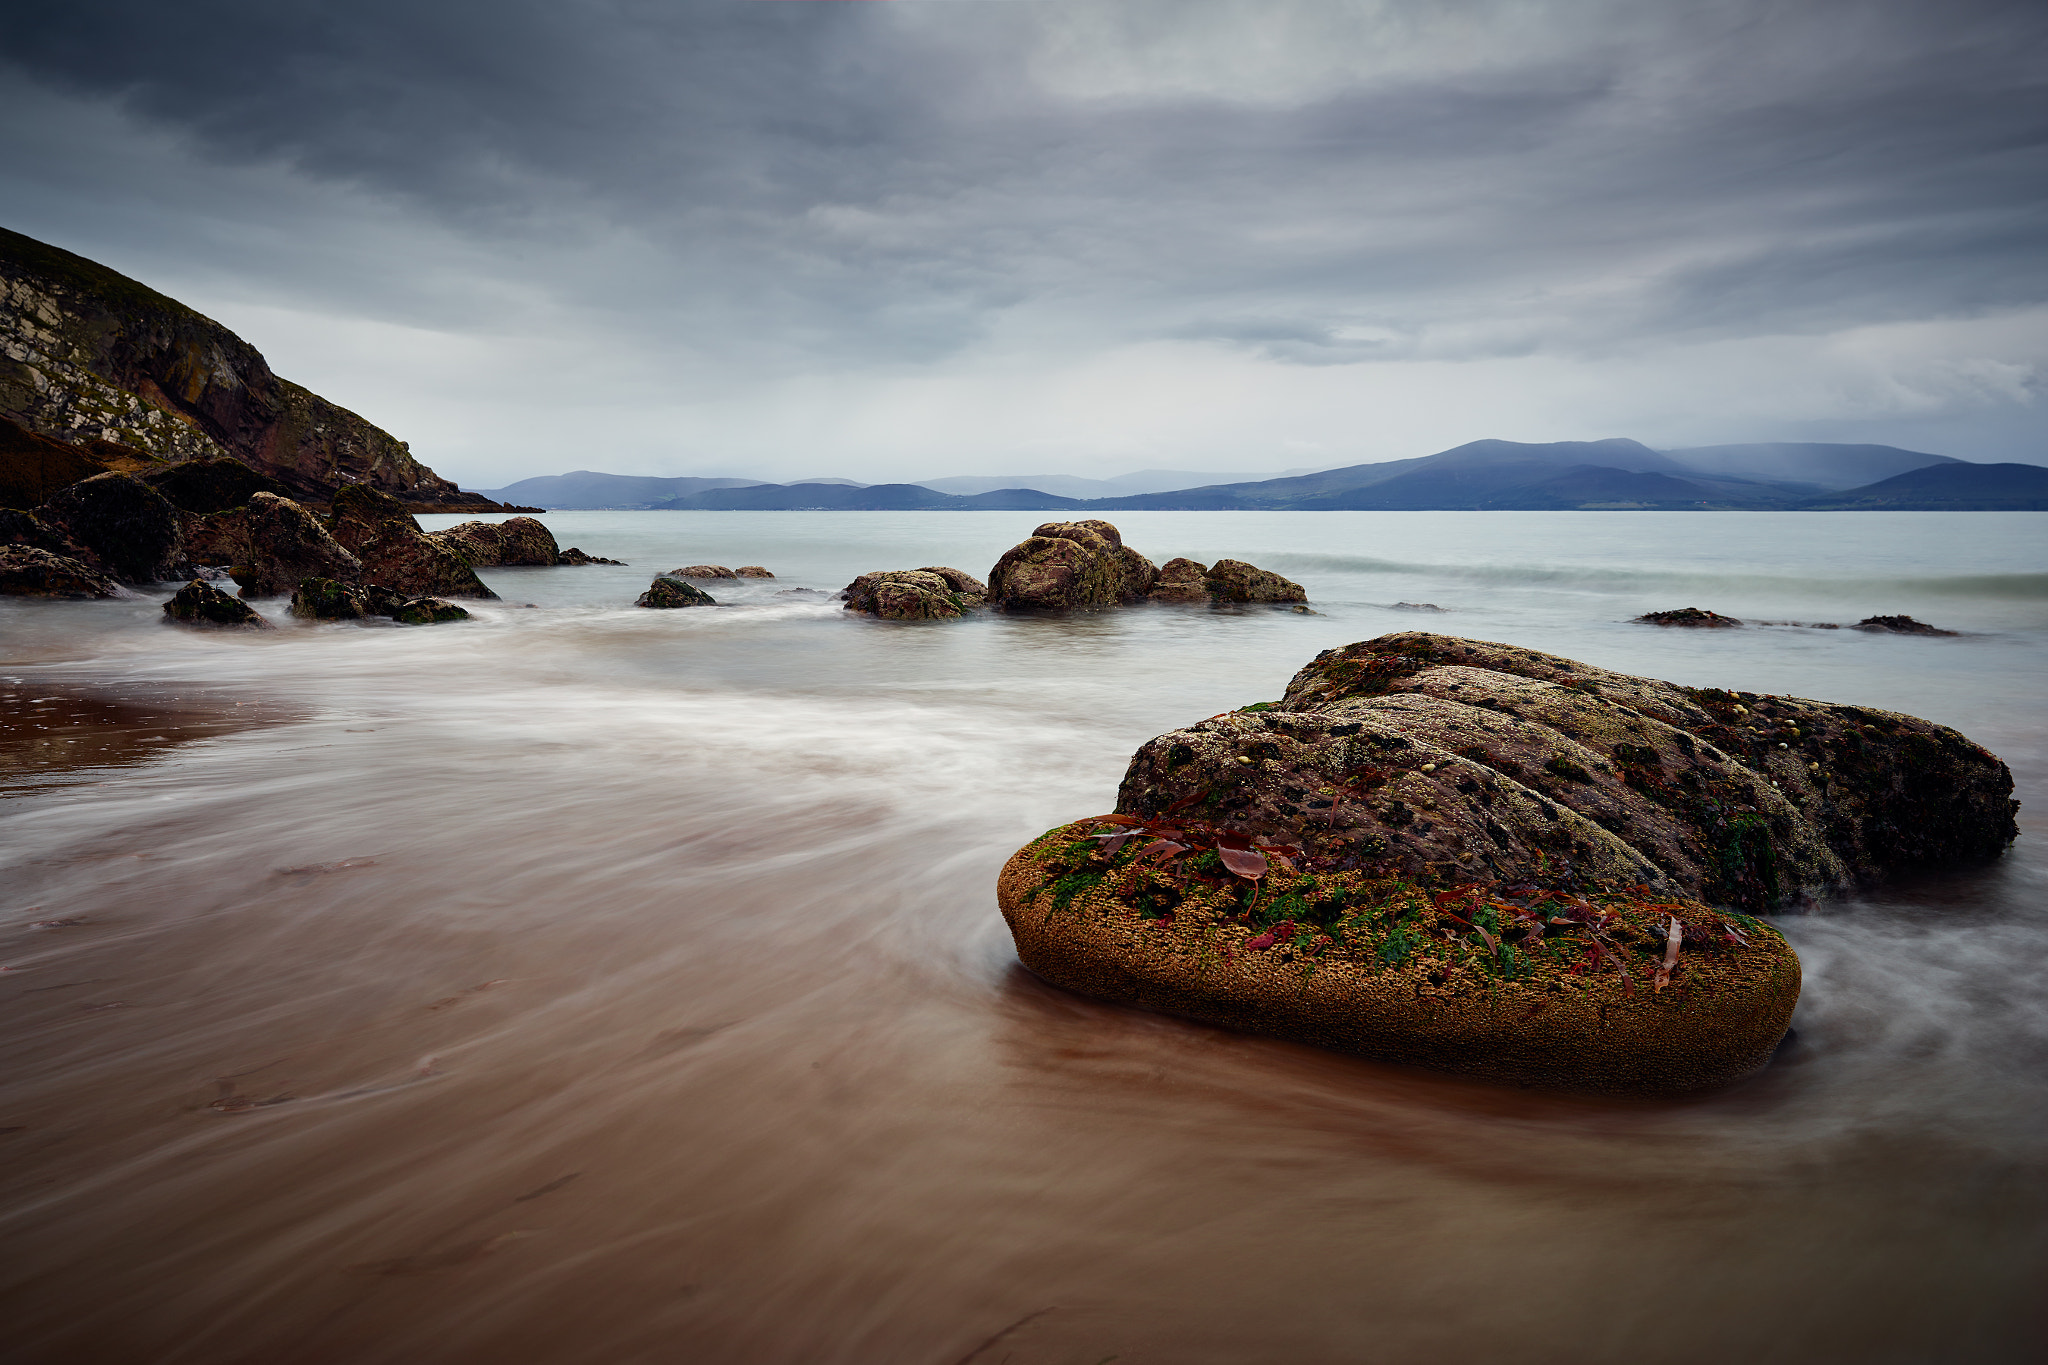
(906,238)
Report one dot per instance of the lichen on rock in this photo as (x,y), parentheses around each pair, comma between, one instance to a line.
(514,542)
(935,594)
(1068,564)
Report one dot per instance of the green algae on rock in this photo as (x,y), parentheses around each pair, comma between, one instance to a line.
(1430,771)
(1624,990)
(427,611)
(666,593)
(199,603)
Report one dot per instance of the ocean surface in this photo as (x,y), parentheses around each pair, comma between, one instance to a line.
(587,984)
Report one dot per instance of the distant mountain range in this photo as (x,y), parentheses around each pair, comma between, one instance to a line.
(1616,474)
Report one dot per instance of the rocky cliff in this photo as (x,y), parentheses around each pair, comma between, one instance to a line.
(128,377)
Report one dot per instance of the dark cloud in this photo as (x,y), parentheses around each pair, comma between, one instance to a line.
(794,191)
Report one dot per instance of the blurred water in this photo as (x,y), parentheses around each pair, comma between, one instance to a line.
(581,983)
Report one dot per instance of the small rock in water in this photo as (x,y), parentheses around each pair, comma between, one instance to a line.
(329,599)
(665,592)
(199,603)
(1688,616)
(572,555)
(1418,606)
(428,611)
(1233,580)
(701,571)
(751,571)
(1898,625)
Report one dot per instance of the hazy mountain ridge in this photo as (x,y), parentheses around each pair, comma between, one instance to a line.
(1495,475)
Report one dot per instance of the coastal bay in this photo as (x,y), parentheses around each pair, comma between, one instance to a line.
(585,983)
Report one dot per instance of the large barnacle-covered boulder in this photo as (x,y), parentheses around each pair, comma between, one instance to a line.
(1487,859)
(1066,564)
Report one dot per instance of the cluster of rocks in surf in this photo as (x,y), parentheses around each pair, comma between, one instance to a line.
(1063,566)
(678,587)
(207,519)
(1698,618)
(1486,859)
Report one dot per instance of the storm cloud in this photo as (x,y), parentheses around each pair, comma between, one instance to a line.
(916,237)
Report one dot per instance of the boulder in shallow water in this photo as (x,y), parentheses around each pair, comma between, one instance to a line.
(199,603)
(572,555)
(427,611)
(29,571)
(911,595)
(1689,617)
(705,571)
(1898,625)
(514,542)
(665,593)
(751,571)
(1233,580)
(395,553)
(1068,564)
(1472,856)
(1180,580)
(271,544)
(130,527)
(328,599)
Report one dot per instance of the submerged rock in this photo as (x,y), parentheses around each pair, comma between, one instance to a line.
(514,542)
(913,594)
(665,592)
(199,603)
(1898,625)
(30,571)
(572,555)
(751,571)
(1067,564)
(128,526)
(428,611)
(1471,856)
(395,553)
(701,571)
(1418,606)
(1688,616)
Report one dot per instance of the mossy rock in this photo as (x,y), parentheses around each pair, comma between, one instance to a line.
(1398,969)
(667,593)
(328,599)
(199,603)
(428,611)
